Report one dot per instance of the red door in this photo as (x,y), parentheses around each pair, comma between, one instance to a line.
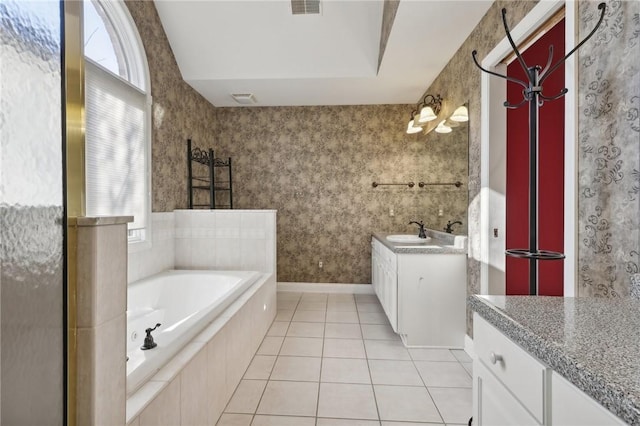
(550,171)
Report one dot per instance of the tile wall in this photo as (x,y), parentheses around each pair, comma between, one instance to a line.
(147,261)
(231,240)
(207,239)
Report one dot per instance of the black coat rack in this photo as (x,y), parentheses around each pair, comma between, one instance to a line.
(532,94)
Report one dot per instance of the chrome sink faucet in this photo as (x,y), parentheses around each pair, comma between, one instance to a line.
(422,233)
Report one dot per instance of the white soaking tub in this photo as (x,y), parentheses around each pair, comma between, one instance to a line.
(183,302)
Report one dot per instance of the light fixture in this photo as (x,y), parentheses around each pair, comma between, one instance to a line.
(450,123)
(443,128)
(460,114)
(411,127)
(429,109)
(427,114)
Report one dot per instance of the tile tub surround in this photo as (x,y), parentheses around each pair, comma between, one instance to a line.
(243,240)
(195,386)
(239,240)
(101,305)
(592,342)
(348,374)
(145,261)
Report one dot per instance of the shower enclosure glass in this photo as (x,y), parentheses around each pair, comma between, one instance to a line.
(32,272)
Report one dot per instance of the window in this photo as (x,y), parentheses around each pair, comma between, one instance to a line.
(117,110)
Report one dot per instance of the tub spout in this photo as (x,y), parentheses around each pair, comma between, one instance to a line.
(148,340)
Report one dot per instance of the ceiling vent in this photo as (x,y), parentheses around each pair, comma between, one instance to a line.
(305,7)
(244,98)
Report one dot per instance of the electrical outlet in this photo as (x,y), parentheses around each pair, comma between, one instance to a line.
(440,212)
(391,212)
(320,264)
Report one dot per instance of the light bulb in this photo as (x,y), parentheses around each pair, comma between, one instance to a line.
(412,129)
(426,115)
(443,128)
(460,114)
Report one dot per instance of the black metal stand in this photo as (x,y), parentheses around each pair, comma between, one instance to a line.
(532,95)
(208,183)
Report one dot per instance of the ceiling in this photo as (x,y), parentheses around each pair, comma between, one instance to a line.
(259,47)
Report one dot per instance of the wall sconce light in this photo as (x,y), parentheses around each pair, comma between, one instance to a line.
(425,111)
(429,109)
(461,114)
(411,127)
(443,128)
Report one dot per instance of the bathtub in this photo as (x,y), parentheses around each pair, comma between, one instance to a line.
(183,302)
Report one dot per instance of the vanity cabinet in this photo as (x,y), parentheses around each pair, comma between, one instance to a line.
(384,278)
(422,294)
(511,387)
(508,383)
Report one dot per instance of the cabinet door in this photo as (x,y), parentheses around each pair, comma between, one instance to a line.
(385,280)
(375,268)
(493,404)
(571,406)
(432,293)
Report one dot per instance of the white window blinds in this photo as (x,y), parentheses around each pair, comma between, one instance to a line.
(115,147)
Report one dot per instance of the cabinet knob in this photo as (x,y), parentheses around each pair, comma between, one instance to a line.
(494,358)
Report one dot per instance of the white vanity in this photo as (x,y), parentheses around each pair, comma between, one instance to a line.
(422,287)
(555,361)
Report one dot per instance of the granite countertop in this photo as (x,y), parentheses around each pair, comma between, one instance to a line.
(437,242)
(592,342)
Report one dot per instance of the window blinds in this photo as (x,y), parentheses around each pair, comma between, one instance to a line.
(115,147)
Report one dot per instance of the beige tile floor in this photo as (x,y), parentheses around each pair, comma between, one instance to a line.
(333,360)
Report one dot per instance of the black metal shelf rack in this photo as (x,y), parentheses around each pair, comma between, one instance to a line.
(213,167)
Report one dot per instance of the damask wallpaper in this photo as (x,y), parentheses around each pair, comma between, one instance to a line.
(609,160)
(608,101)
(315,165)
(460,80)
(179,112)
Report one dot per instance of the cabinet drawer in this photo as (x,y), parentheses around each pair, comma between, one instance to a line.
(522,374)
(493,404)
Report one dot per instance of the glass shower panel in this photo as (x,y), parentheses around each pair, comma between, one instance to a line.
(31,214)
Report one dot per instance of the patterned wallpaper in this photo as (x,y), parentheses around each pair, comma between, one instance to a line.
(315,165)
(609,160)
(460,80)
(609,203)
(179,112)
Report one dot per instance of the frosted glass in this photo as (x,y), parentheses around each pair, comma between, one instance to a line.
(31,214)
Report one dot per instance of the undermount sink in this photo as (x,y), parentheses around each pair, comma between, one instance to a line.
(425,246)
(407,239)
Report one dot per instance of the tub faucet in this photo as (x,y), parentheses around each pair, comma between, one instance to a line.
(148,341)
(421,234)
(449,229)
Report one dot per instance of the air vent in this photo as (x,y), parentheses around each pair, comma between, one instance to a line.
(244,98)
(305,7)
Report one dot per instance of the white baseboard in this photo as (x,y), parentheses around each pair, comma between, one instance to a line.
(326,288)
(468,346)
